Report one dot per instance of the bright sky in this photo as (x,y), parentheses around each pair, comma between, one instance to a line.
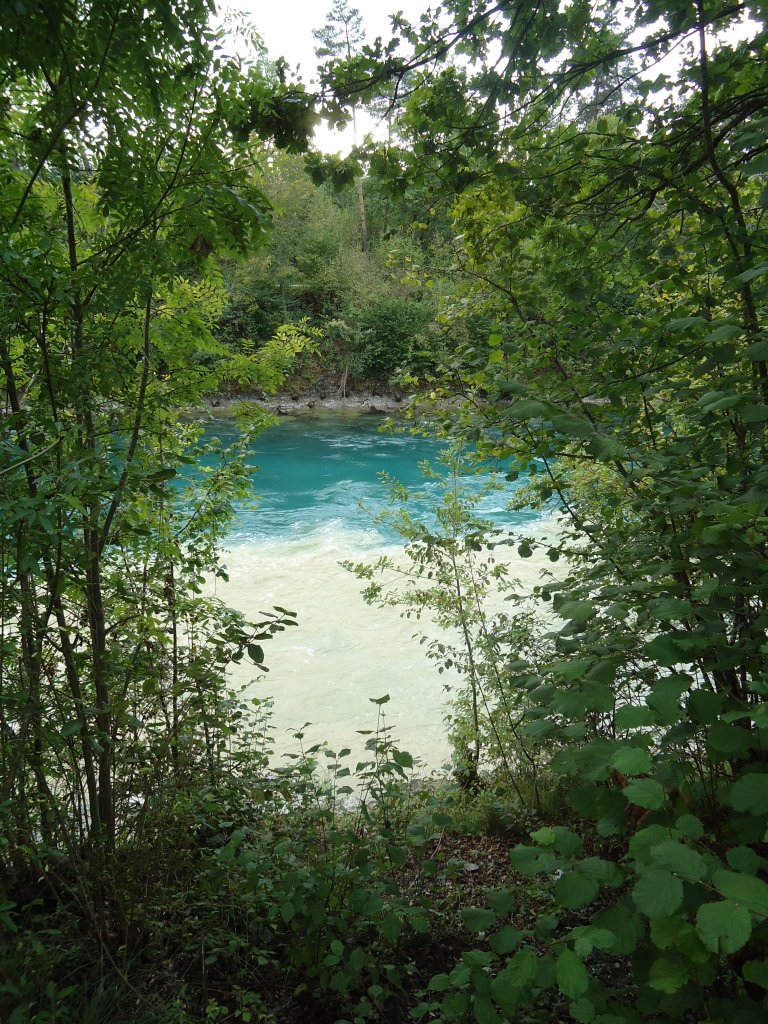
(286,28)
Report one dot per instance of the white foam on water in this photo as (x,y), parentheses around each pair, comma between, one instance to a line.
(343,652)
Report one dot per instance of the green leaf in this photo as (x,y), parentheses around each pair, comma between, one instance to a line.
(664,650)
(287,912)
(632,717)
(750,794)
(744,859)
(478,920)
(624,924)
(529,408)
(507,991)
(670,608)
(582,1011)
(680,859)
(72,727)
(729,740)
(588,937)
(684,322)
(657,893)
(645,793)
(391,927)
(484,1011)
(631,760)
(506,940)
(572,978)
(574,890)
(502,901)
(256,653)
(604,872)
(667,975)
(689,825)
(743,889)
(723,927)
(402,758)
(544,836)
(567,842)
(752,273)
(756,972)
(531,860)
(521,969)
(576,611)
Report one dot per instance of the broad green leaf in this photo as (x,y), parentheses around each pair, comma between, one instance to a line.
(391,927)
(507,991)
(750,793)
(665,651)
(723,927)
(502,901)
(679,858)
(484,1012)
(521,968)
(478,920)
(588,937)
(531,860)
(632,717)
(743,889)
(402,758)
(645,793)
(657,893)
(670,608)
(527,409)
(625,924)
(572,978)
(729,740)
(667,975)
(577,611)
(544,836)
(756,972)
(689,825)
(631,760)
(582,1011)
(506,940)
(567,842)
(683,323)
(604,872)
(575,890)
(752,273)
(477,958)
(744,859)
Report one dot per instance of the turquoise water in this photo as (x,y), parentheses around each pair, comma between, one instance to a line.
(314,475)
(322,474)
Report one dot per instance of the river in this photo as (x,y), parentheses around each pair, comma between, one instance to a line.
(317,485)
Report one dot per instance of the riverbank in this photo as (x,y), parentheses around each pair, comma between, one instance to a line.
(285,404)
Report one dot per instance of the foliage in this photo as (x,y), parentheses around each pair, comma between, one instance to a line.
(619,251)
(610,227)
(375,315)
(454,579)
(393,332)
(125,161)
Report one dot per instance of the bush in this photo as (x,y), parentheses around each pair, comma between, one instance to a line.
(393,332)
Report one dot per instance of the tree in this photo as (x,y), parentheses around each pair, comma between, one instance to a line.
(125,161)
(623,265)
(340,37)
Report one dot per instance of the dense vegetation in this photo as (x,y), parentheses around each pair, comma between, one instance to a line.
(576,271)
